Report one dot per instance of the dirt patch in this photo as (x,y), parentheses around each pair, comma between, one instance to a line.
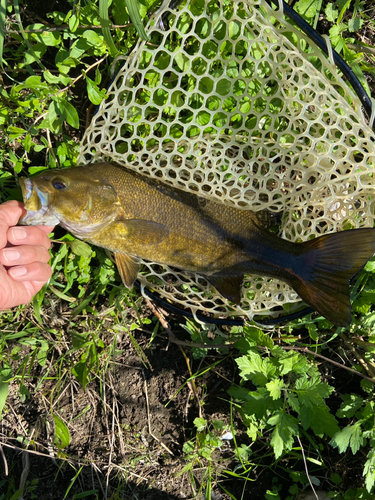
(127,429)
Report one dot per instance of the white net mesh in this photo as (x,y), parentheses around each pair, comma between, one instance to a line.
(235,104)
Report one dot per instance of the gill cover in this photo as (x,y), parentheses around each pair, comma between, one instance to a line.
(36,204)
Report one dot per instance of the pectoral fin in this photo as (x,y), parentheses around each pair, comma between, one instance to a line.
(228,286)
(141,231)
(128,267)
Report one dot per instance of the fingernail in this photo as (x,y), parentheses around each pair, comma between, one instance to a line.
(18,233)
(16,272)
(11,255)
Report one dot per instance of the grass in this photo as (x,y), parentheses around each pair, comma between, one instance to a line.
(104,392)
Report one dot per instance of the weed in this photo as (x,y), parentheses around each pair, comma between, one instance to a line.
(300,404)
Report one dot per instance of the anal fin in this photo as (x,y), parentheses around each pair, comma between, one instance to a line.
(128,267)
(228,286)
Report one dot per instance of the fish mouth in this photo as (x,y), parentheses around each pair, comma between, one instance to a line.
(36,204)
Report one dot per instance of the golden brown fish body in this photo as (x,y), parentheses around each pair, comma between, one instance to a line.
(139,217)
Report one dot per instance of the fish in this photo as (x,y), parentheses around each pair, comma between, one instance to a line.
(139,217)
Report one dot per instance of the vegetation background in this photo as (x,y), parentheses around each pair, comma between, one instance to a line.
(99,397)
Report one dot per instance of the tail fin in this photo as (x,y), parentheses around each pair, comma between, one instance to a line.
(325,267)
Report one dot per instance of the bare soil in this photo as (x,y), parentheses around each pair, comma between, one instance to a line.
(126,431)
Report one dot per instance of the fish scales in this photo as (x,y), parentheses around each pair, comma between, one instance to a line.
(138,217)
(204,236)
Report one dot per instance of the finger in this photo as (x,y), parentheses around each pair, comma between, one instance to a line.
(11,211)
(32,287)
(24,254)
(31,235)
(15,293)
(36,271)
(46,229)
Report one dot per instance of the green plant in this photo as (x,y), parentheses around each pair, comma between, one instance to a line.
(53,75)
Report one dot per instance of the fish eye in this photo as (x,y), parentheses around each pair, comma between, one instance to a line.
(58,184)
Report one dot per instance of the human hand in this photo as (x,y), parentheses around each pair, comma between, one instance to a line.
(24,257)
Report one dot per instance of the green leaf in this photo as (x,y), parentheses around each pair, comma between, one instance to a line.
(182,61)
(32,53)
(15,132)
(361,77)
(206,452)
(253,367)
(62,435)
(200,424)
(355,24)
(313,331)
(34,170)
(58,17)
(47,37)
(260,404)
(239,393)
(311,392)
(95,42)
(367,386)
(307,8)
(274,387)
(62,295)
(133,9)
(223,87)
(79,47)
(95,95)
(331,12)
(55,79)
(242,453)
(336,478)
(5,375)
(351,403)
(370,266)
(71,114)
(3,9)
(42,354)
(24,394)
(293,362)
(79,370)
(369,470)
(319,419)
(335,34)
(218,424)
(56,115)
(17,163)
(188,447)
(351,436)
(73,22)
(4,115)
(369,320)
(104,21)
(254,334)
(28,143)
(35,53)
(67,64)
(344,8)
(293,401)
(286,427)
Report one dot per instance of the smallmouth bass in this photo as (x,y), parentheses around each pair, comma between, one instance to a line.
(137,217)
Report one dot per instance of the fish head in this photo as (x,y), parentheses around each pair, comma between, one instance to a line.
(72,198)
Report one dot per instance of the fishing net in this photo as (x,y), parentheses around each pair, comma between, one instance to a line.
(233,103)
